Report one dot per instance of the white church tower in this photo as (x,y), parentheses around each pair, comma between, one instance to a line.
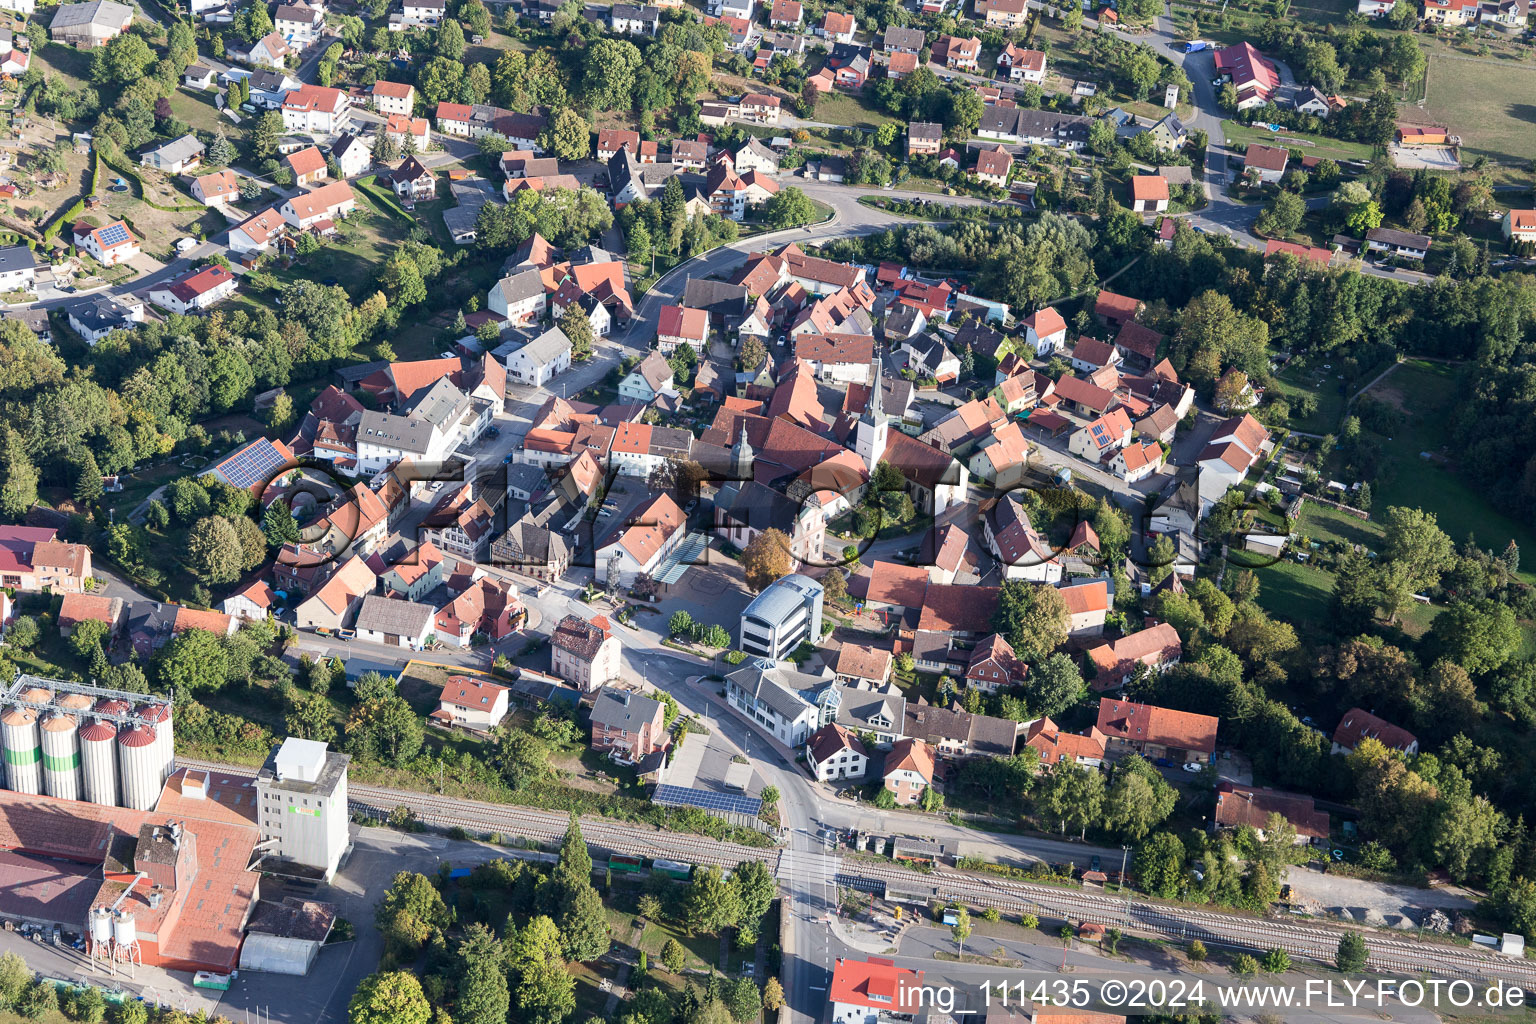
(870,434)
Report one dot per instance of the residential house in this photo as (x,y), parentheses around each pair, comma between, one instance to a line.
(476,704)
(837,26)
(395,623)
(178,156)
(1116,310)
(760,108)
(216,189)
(754,156)
(95,317)
(1137,460)
(252,602)
(89,25)
(1266,162)
(833,753)
(1030,127)
(32,560)
(76,608)
(908,770)
(634,20)
(257,235)
(1156,732)
(611,140)
(585,652)
(1002,458)
(1450,13)
(1157,647)
(1055,746)
(863,666)
(776,697)
(957,52)
(953,732)
(993,166)
(866,992)
(315,110)
(18,269)
(651,378)
(1090,354)
(1359,724)
(411,180)
(1019,549)
(786,14)
(1088,605)
(994,666)
(1149,193)
(393,98)
(1045,331)
(299,23)
(270,51)
(269,86)
(1401,244)
(328,203)
(484,607)
(416,575)
(459,523)
(418,14)
(1023,65)
(679,325)
(541,359)
(195,290)
(641,542)
(1238,805)
(1004,14)
(110,244)
(924,138)
(1101,439)
(1252,74)
(930,357)
(899,39)
(1169,133)
(519,299)
(334,606)
(1226,459)
(411,134)
(307,166)
(627,726)
(533,549)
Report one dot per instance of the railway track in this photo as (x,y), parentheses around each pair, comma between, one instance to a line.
(1311,941)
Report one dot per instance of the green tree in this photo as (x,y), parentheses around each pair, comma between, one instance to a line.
(1139,799)
(268,132)
(214,554)
(753,889)
(87,637)
(1160,865)
(570,136)
(194,660)
(767,557)
(1276,961)
(584,925)
(1053,685)
(278,524)
(87,480)
(743,1000)
(220,152)
(309,717)
(18,492)
(389,997)
(411,910)
(673,956)
(483,995)
(773,995)
(1352,954)
(709,904)
(789,208)
(576,326)
(23,633)
(384,729)
(449,43)
(1415,542)
(543,991)
(122,61)
(1033,619)
(1479,634)
(961,929)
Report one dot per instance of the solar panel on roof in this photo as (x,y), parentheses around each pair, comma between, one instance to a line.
(252,465)
(708,800)
(114,234)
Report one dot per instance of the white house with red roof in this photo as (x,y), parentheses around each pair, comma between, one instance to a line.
(680,325)
(1157,647)
(315,110)
(873,990)
(109,244)
(194,290)
(1023,65)
(1101,439)
(642,542)
(471,703)
(258,234)
(833,752)
(1252,74)
(393,97)
(1045,331)
(327,203)
(270,51)
(252,601)
(1359,724)
(1136,462)
(217,188)
(1232,450)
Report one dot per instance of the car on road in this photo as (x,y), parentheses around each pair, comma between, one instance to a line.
(1093,864)
(508,460)
(1192,767)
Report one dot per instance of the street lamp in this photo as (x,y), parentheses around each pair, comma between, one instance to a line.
(1125,852)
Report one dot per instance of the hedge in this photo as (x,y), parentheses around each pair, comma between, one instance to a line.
(144,192)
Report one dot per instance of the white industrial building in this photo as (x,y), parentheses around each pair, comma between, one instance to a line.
(302,804)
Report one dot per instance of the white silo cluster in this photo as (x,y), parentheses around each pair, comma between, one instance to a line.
(79,742)
(113,938)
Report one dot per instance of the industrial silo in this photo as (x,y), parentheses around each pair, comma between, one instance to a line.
(99,929)
(111,706)
(159,715)
(23,756)
(61,755)
(98,761)
(139,767)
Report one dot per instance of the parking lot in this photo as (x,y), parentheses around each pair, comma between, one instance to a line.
(1429,158)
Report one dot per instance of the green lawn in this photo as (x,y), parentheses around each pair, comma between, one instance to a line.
(1295,592)
(198,110)
(1324,524)
(1492,121)
(363,242)
(1312,145)
(842,108)
(73,65)
(1298,379)
(1426,392)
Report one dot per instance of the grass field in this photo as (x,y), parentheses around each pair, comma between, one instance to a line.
(1495,122)
(842,108)
(1324,524)
(1297,379)
(1425,393)
(1295,592)
(1311,145)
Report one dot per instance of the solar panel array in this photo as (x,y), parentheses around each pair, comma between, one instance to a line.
(707,800)
(252,465)
(114,234)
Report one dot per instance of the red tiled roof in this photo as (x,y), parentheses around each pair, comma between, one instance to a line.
(1144,723)
(477,694)
(1116,307)
(1245,805)
(876,984)
(306,161)
(1086,597)
(1358,724)
(895,584)
(1149,188)
(1045,321)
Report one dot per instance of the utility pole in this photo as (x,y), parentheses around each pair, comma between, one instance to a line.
(1125,852)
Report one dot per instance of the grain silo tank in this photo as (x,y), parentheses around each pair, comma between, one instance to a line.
(37,695)
(159,715)
(99,925)
(61,755)
(124,932)
(23,752)
(98,761)
(138,767)
(111,706)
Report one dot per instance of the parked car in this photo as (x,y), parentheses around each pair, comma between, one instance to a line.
(1193,766)
(1093,865)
